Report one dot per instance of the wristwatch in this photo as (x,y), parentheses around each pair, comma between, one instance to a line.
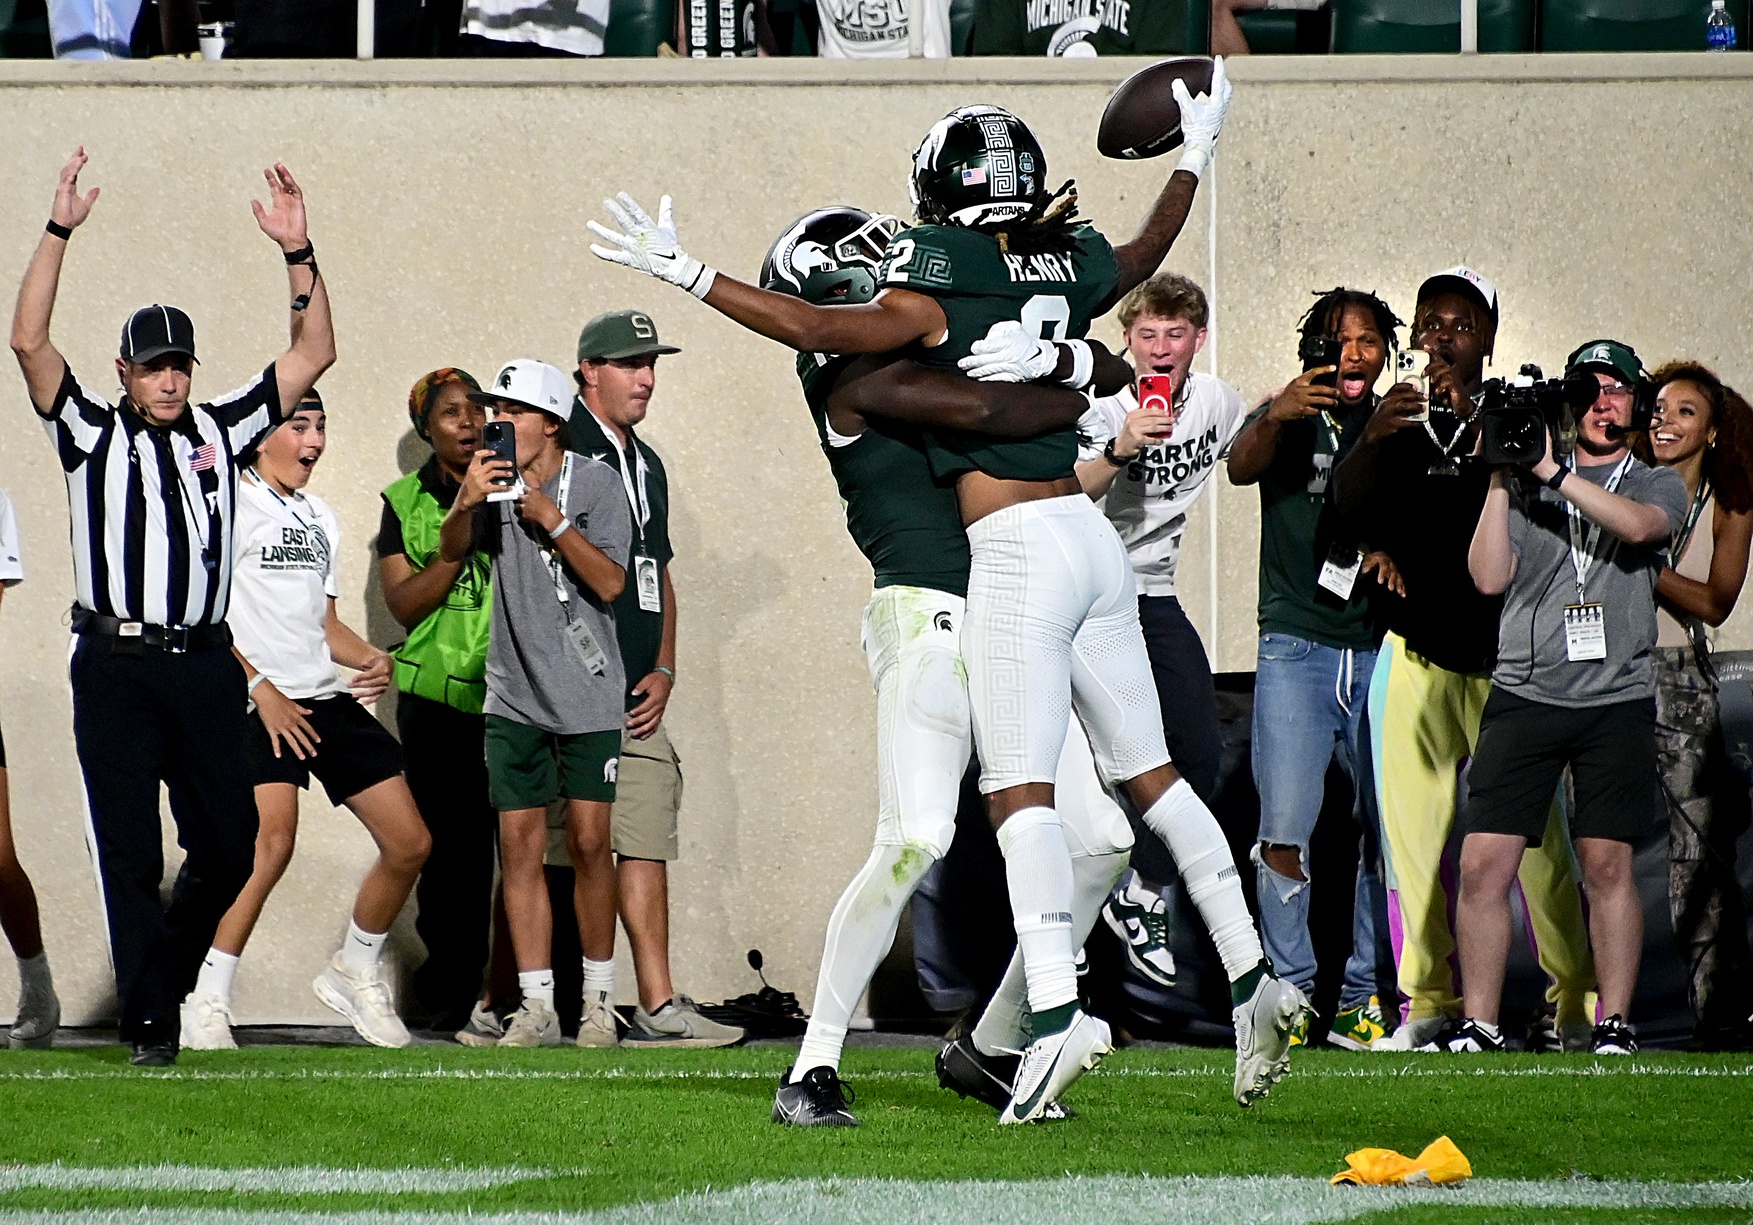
(1116,460)
(1557,478)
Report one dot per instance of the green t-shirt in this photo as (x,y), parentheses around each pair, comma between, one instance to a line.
(900,517)
(1300,529)
(1106,27)
(1055,296)
(640,633)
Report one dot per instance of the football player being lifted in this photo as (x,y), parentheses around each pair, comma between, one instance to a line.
(908,526)
(999,270)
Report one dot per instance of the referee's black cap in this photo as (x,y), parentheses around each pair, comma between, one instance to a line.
(152,331)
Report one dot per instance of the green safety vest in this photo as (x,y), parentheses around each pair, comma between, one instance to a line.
(445,656)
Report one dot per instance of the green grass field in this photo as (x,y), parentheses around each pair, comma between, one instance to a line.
(436,1132)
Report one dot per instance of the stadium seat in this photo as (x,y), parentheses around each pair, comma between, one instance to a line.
(1631,25)
(24,30)
(1429,26)
(638,27)
(961,26)
(1283,31)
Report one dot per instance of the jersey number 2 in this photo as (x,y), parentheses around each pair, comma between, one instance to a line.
(1046,316)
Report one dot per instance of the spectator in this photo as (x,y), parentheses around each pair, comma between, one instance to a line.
(1030,27)
(517,29)
(1577,563)
(1419,492)
(39,1009)
(157,694)
(440,676)
(93,29)
(554,708)
(617,372)
(1317,634)
(1227,37)
(289,637)
(880,29)
(1146,469)
(1704,431)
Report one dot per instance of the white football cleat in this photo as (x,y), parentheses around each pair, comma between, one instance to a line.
(1052,1063)
(364,1002)
(206,1024)
(1263,1028)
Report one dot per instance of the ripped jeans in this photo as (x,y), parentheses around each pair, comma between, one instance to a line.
(1308,712)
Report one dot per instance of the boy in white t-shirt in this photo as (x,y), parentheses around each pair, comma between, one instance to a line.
(39,1010)
(287,635)
(1146,468)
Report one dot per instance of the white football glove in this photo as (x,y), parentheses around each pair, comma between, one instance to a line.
(1202,119)
(650,246)
(1008,354)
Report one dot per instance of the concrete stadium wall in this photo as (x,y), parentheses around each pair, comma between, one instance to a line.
(448,200)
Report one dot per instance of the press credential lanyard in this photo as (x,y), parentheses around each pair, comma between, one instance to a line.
(645,576)
(1585,624)
(577,632)
(1339,572)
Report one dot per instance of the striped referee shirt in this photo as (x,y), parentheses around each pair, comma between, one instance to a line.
(151,506)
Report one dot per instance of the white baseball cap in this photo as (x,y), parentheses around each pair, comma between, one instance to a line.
(1464,281)
(528,381)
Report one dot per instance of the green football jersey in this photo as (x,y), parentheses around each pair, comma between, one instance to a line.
(901,518)
(1053,295)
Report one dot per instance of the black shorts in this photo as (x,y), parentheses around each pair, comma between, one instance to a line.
(1523,749)
(355,751)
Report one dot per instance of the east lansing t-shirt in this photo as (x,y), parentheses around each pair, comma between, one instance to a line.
(1425,522)
(639,631)
(1150,497)
(1532,658)
(283,577)
(1299,529)
(535,674)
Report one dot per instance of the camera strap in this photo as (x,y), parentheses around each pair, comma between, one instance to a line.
(1585,534)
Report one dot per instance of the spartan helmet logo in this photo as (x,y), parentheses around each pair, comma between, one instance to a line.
(941,622)
(1602,353)
(612,770)
(505,377)
(811,257)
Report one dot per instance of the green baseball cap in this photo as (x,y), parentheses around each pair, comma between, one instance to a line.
(615,334)
(1609,356)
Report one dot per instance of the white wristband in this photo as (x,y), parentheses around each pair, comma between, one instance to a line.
(1083,364)
(559,529)
(1195,161)
(703,283)
(255,680)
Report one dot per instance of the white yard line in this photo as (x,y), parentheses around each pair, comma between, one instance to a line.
(273,1180)
(1072,1201)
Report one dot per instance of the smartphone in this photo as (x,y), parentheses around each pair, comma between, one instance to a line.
(501,439)
(1318,351)
(1156,393)
(1413,366)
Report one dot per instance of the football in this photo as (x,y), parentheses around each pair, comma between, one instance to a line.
(1142,118)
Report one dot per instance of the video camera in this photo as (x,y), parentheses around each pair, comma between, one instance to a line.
(1516,413)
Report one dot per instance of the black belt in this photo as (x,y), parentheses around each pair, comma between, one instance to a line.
(173,638)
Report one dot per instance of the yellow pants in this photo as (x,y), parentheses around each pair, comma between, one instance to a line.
(1424,724)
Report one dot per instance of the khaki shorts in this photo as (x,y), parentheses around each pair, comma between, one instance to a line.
(648,794)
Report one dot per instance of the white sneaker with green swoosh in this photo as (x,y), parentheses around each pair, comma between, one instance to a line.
(1052,1062)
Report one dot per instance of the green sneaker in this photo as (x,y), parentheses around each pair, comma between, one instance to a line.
(1299,1033)
(1357,1029)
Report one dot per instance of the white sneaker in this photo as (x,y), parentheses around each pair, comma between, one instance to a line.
(1263,1028)
(364,1002)
(484,1028)
(1052,1063)
(597,1026)
(533,1024)
(39,1016)
(1412,1035)
(206,1024)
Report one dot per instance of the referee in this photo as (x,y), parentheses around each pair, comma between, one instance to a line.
(157,694)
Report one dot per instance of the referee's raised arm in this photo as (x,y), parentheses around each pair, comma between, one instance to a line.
(313,330)
(41,362)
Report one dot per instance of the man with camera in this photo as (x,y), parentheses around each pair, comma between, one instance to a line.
(1317,633)
(1415,484)
(1575,549)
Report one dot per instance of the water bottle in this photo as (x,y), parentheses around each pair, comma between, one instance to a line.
(1719,27)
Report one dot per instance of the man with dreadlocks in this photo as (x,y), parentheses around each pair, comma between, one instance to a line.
(998,271)
(1419,491)
(1317,634)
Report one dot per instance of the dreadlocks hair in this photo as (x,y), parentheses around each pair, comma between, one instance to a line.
(1048,228)
(1728,462)
(1330,306)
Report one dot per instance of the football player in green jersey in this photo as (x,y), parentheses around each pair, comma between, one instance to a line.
(906,523)
(997,273)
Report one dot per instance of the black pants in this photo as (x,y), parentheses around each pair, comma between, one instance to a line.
(445,755)
(1189,703)
(141,718)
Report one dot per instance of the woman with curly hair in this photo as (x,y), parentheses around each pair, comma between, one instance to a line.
(1704,431)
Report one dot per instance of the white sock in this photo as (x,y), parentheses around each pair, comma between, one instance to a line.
(599,980)
(361,950)
(33,974)
(1002,1027)
(216,973)
(860,932)
(1202,855)
(537,985)
(1037,872)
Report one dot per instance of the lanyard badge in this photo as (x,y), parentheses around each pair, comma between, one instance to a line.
(1585,622)
(645,577)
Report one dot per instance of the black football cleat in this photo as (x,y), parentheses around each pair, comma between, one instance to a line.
(819,1098)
